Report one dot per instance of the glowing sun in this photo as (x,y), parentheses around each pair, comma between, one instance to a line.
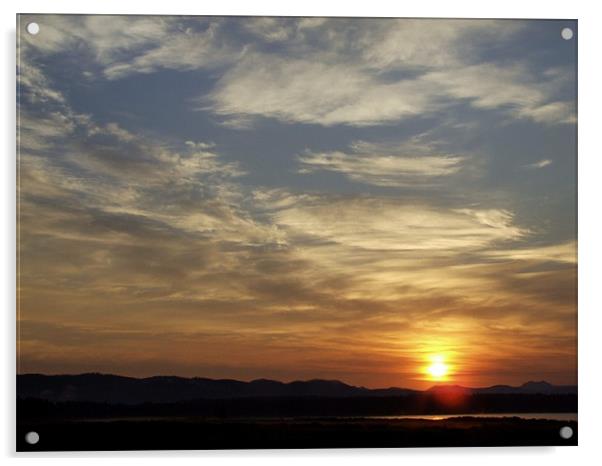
(437,370)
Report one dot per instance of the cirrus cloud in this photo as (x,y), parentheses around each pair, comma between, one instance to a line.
(404,164)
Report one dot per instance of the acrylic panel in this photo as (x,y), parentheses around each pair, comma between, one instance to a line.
(295,232)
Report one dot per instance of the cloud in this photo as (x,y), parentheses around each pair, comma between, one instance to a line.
(188,50)
(96,178)
(429,43)
(305,91)
(553,112)
(107,37)
(271,29)
(540,164)
(380,71)
(124,45)
(385,44)
(122,179)
(391,225)
(114,36)
(40,132)
(563,252)
(326,72)
(99,41)
(491,86)
(35,86)
(405,164)
(328,93)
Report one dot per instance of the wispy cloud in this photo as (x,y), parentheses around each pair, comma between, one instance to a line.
(491,86)
(540,164)
(311,91)
(106,38)
(564,252)
(124,45)
(328,72)
(381,224)
(401,164)
(35,86)
(188,50)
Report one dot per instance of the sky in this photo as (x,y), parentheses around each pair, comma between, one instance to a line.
(297,198)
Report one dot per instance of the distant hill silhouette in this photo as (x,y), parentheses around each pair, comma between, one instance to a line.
(535,388)
(104,388)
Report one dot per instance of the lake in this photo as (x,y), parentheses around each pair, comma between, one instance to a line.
(440,417)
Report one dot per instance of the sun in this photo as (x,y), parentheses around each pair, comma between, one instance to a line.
(438,369)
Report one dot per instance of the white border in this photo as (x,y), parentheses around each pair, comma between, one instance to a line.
(590,232)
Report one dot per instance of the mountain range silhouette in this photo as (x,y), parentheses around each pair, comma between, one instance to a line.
(106,388)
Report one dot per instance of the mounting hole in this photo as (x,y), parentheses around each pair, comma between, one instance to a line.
(567,33)
(33,28)
(32,438)
(566,432)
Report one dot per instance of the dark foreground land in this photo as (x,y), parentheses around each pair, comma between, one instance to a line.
(103,412)
(212,434)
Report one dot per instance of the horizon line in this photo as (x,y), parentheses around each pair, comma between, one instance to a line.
(434,383)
